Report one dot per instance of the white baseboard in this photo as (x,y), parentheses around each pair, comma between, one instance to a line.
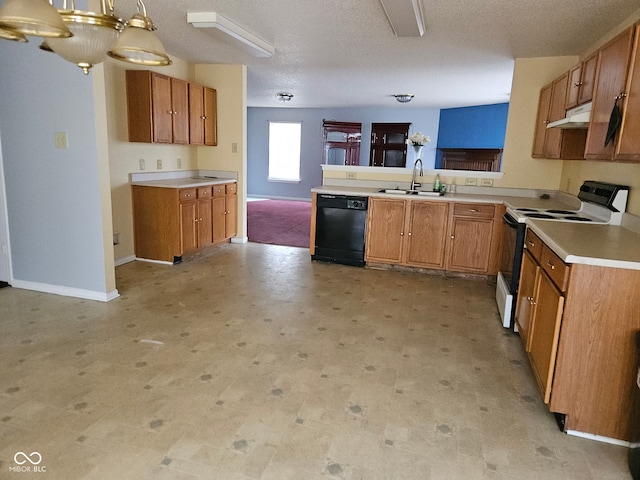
(65,291)
(598,438)
(239,239)
(163,262)
(123,260)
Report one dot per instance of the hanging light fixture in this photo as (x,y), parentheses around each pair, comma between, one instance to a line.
(94,35)
(404,97)
(9,34)
(138,44)
(33,17)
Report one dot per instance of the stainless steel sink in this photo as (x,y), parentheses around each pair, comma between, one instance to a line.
(398,191)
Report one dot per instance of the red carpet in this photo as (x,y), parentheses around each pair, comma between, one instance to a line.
(279,222)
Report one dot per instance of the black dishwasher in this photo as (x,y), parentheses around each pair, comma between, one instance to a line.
(341,221)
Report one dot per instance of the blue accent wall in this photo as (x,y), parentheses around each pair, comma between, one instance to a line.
(424,120)
(483,126)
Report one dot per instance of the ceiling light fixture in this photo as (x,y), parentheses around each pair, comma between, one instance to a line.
(88,36)
(405,17)
(404,97)
(230,29)
(284,97)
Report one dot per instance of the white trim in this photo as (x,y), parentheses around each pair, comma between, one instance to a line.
(123,260)
(283,180)
(408,170)
(4,227)
(239,240)
(65,291)
(599,438)
(163,262)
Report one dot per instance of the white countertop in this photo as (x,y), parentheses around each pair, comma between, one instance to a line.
(183,182)
(601,245)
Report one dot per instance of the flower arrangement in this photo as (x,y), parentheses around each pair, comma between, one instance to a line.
(418,139)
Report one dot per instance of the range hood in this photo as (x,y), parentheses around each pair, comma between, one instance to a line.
(576,118)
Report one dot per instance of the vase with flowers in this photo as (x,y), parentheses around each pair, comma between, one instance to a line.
(417,140)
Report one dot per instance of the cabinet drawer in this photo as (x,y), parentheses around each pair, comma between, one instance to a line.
(533,244)
(474,210)
(204,192)
(232,188)
(557,270)
(218,190)
(187,194)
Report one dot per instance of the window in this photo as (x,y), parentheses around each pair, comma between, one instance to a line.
(284,151)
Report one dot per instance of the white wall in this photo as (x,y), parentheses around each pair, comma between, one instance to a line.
(55,197)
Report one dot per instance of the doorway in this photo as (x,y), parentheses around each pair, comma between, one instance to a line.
(279,222)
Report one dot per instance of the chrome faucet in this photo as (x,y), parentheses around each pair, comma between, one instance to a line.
(415,184)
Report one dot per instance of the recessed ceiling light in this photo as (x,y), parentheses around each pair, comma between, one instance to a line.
(404,97)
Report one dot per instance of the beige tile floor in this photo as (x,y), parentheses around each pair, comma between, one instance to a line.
(251,362)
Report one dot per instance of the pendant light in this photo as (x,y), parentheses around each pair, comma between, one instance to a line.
(87,37)
(9,34)
(32,17)
(138,43)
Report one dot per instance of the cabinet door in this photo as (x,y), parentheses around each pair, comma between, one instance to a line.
(231,216)
(542,120)
(180,109)
(557,111)
(611,75)
(573,88)
(210,117)
(162,108)
(196,114)
(219,219)
(587,79)
(188,227)
(628,147)
(545,331)
(427,233)
(205,219)
(526,297)
(470,244)
(385,230)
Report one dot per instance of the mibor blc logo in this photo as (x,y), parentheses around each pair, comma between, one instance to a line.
(28,463)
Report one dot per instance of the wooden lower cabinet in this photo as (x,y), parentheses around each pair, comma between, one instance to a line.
(433,234)
(406,232)
(580,325)
(170,222)
(225,212)
(474,238)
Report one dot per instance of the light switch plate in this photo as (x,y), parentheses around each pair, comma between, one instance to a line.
(486,182)
(159,164)
(141,164)
(179,163)
(471,181)
(60,140)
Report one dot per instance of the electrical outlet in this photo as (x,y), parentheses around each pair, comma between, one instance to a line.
(471,181)
(351,175)
(486,182)
(179,163)
(141,164)
(159,164)
(234,148)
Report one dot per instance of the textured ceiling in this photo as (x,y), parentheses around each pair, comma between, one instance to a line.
(339,53)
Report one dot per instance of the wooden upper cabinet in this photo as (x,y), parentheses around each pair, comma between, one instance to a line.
(555,142)
(157,108)
(628,146)
(202,115)
(611,77)
(581,79)
(587,79)
(575,82)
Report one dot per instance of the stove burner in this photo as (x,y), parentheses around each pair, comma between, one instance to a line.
(528,209)
(562,212)
(539,215)
(578,219)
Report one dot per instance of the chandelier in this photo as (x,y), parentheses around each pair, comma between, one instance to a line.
(84,38)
